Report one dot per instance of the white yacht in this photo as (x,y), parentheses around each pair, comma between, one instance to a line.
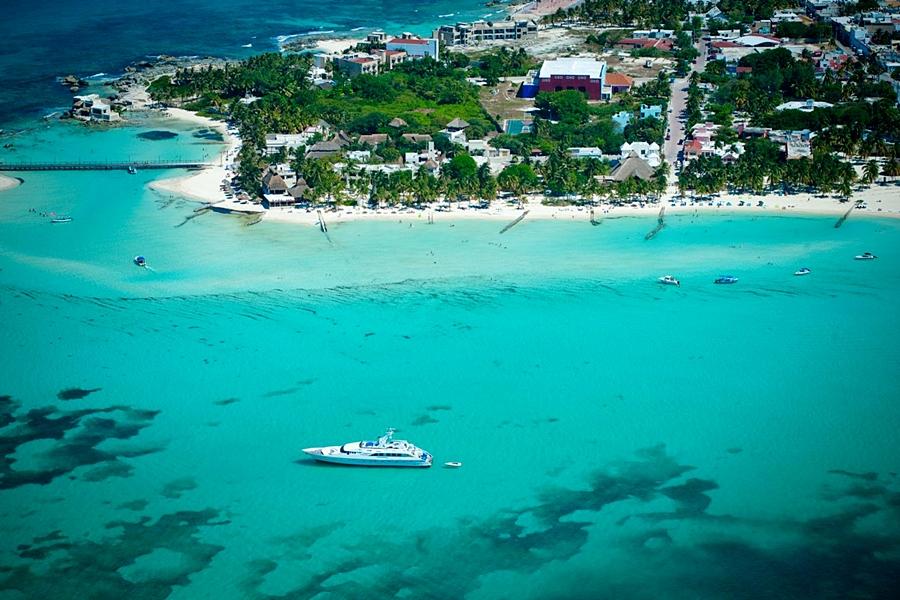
(668,280)
(385,452)
(865,256)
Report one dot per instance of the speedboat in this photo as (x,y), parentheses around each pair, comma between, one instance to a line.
(726,279)
(453,464)
(802,271)
(131,170)
(61,220)
(668,280)
(384,452)
(140,261)
(865,256)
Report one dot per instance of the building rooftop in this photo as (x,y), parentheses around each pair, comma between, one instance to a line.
(418,41)
(573,66)
(618,79)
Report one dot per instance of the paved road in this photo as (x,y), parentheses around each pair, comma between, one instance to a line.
(675,130)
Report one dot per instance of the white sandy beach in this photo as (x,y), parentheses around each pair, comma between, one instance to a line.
(338,45)
(202,185)
(879,201)
(7,183)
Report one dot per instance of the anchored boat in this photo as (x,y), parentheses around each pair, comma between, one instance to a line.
(668,280)
(726,279)
(865,256)
(802,271)
(384,452)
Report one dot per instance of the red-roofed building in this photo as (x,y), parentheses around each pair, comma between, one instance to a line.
(357,65)
(618,82)
(415,47)
(644,43)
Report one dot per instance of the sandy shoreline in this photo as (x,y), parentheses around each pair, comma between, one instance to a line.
(202,185)
(880,201)
(8,183)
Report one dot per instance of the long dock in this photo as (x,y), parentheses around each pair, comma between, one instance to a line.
(103,166)
(514,223)
(844,217)
(660,223)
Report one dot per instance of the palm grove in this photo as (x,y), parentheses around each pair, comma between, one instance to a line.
(426,95)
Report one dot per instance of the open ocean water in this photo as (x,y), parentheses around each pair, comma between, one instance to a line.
(620,439)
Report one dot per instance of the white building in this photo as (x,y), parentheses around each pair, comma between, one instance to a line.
(586,152)
(804,105)
(644,151)
(415,47)
(92,108)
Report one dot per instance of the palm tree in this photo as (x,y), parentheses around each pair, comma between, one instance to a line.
(870,172)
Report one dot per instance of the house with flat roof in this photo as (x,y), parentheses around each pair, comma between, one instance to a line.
(415,47)
(646,152)
(621,119)
(586,75)
(652,110)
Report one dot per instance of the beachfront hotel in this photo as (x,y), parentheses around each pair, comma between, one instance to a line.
(477,32)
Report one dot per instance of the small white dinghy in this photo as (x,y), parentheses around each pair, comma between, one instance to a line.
(452,464)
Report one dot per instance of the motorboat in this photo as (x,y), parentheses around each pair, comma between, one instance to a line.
(452,464)
(726,279)
(865,256)
(61,220)
(140,261)
(383,452)
(131,170)
(802,271)
(668,280)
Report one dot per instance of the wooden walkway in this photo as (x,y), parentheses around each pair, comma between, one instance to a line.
(103,166)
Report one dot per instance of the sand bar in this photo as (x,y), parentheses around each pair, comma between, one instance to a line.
(8,183)
(202,185)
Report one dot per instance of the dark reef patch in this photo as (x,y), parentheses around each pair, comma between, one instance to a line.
(177,487)
(157,135)
(135,505)
(869,476)
(437,407)
(77,435)
(210,135)
(226,401)
(111,468)
(852,552)
(76,393)
(284,392)
(109,568)
(424,420)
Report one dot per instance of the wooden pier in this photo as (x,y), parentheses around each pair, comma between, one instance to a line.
(660,223)
(103,166)
(844,217)
(514,223)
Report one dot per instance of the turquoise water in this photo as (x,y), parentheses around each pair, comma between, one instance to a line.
(619,439)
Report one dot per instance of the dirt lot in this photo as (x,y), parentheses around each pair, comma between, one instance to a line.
(501,102)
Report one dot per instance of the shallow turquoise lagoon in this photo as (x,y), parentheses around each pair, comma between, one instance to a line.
(619,439)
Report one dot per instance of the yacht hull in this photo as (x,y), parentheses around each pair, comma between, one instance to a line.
(337,458)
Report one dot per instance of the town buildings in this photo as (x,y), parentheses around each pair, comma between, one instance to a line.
(415,47)
(92,107)
(587,75)
(478,32)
